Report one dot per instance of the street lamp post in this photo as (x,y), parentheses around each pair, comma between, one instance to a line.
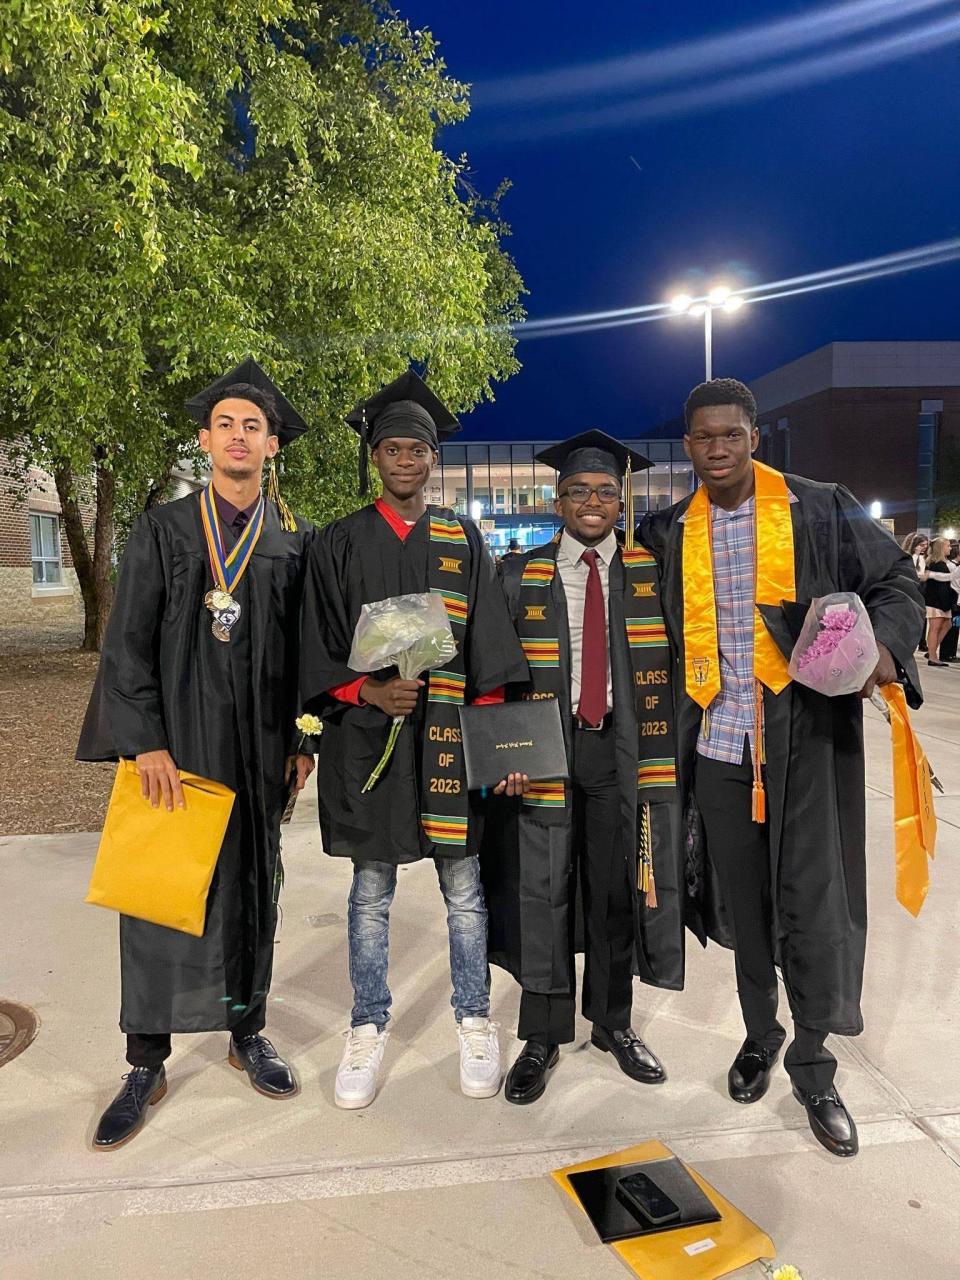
(719,298)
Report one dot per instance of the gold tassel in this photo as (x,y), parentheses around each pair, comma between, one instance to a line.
(287,519)
(628,507)
(758,807)
(645,882)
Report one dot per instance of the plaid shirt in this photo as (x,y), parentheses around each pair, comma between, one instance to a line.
(730,717)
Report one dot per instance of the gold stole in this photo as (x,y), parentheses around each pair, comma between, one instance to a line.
(914,820)
(774,581)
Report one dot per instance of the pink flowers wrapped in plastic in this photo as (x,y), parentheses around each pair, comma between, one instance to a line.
(836,652)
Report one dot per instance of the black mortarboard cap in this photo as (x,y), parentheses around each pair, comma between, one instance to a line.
(592,451)
(405,407)
(249,372)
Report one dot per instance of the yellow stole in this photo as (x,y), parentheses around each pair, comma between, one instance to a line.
(774,581)
(914,820)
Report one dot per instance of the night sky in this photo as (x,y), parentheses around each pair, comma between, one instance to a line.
(622,194)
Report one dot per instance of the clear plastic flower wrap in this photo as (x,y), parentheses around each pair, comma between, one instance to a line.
(411,633)
(836,652)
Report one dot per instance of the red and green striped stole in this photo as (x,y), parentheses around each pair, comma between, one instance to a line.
(443,801)
(646,635)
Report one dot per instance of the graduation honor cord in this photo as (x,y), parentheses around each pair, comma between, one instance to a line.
(227,570)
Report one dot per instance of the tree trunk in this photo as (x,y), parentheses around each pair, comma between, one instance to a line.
(93,568)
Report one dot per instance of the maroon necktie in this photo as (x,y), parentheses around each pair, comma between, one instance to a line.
(593,664)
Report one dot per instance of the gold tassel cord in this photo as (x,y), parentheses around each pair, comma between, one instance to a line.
(628,507)
(287,519)
(645,881)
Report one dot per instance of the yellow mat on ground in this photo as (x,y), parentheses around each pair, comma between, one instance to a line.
(703,1252)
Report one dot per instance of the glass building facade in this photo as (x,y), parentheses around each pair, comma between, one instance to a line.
(511,496)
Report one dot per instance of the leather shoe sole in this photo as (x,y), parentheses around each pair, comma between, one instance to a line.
(522,1100)
(640,1074)
(834,1146)
(266,1093)
(160,1094)
(754,1091)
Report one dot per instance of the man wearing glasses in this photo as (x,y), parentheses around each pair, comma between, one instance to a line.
(586,611)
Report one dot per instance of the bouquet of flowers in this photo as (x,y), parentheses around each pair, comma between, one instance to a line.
(411,633)
(836,652)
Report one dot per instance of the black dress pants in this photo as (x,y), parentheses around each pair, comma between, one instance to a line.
(607,901)
(151,1050)
(738,849)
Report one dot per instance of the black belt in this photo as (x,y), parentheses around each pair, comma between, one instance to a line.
(605,723)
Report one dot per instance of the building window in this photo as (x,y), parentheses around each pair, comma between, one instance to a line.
(45,550)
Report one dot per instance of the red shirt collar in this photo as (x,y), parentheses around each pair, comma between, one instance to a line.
(396,522)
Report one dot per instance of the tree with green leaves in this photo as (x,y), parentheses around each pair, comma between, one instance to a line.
(184,183)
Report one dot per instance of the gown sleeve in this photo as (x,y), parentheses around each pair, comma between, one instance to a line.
(494,654)
(883,576)
(326,633)
(129,665)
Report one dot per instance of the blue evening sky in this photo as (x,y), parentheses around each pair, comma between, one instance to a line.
(833,162)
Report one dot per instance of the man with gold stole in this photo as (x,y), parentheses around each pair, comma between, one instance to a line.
(588,614)
(419,807)
(772,772)
(199,673)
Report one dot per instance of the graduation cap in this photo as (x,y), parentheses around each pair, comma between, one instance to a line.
(248,374)
(404,408)
(289,423)
(592,451)
(595,451)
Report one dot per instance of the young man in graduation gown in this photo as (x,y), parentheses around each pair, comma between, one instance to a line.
(776,770)
(420,806)
(199,673)
(588,614)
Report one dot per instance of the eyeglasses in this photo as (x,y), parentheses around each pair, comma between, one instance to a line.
(582,492)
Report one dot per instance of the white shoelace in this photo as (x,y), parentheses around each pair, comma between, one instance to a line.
(361,1050)
(479,1043)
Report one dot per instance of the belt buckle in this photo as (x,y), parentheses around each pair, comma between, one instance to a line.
(588,728)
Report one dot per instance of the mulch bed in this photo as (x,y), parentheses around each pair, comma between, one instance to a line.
(43,790)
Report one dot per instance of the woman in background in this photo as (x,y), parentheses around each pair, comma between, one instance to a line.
(939,596)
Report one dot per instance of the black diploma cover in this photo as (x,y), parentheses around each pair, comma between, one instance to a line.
(513,737)
(613,1220)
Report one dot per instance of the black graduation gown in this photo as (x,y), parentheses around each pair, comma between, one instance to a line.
(224,711)
(814,745)
(530,883)
(356,561)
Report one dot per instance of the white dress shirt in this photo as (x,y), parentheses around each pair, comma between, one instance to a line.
(573,574)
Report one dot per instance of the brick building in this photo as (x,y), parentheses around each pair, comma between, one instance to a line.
(39,592)
(883,418)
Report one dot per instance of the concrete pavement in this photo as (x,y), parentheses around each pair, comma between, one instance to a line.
(426,1183)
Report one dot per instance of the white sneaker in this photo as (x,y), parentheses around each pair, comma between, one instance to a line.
(480,1071)
(360,1066)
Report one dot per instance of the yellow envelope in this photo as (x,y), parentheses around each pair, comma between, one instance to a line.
(156,865)
(688,1253)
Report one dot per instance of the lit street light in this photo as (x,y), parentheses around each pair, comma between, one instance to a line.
(720,298)
(876,510)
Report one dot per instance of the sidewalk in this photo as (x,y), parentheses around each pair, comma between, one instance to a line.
(426,1183)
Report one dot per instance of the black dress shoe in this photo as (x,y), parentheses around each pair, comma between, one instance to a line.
(268,1072)
(125,1116)
(528,1076)
(749,1077)
(831,1122)
(633,1056)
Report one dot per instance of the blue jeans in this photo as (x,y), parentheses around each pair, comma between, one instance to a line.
(368,932)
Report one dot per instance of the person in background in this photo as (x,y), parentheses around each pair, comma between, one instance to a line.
(916,546)
(948,645)
(939,597)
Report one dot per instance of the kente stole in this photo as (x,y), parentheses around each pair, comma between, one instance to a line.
(774,582)
(538,629)
(443,803)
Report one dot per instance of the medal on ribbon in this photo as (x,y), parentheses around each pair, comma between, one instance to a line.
(227,569)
